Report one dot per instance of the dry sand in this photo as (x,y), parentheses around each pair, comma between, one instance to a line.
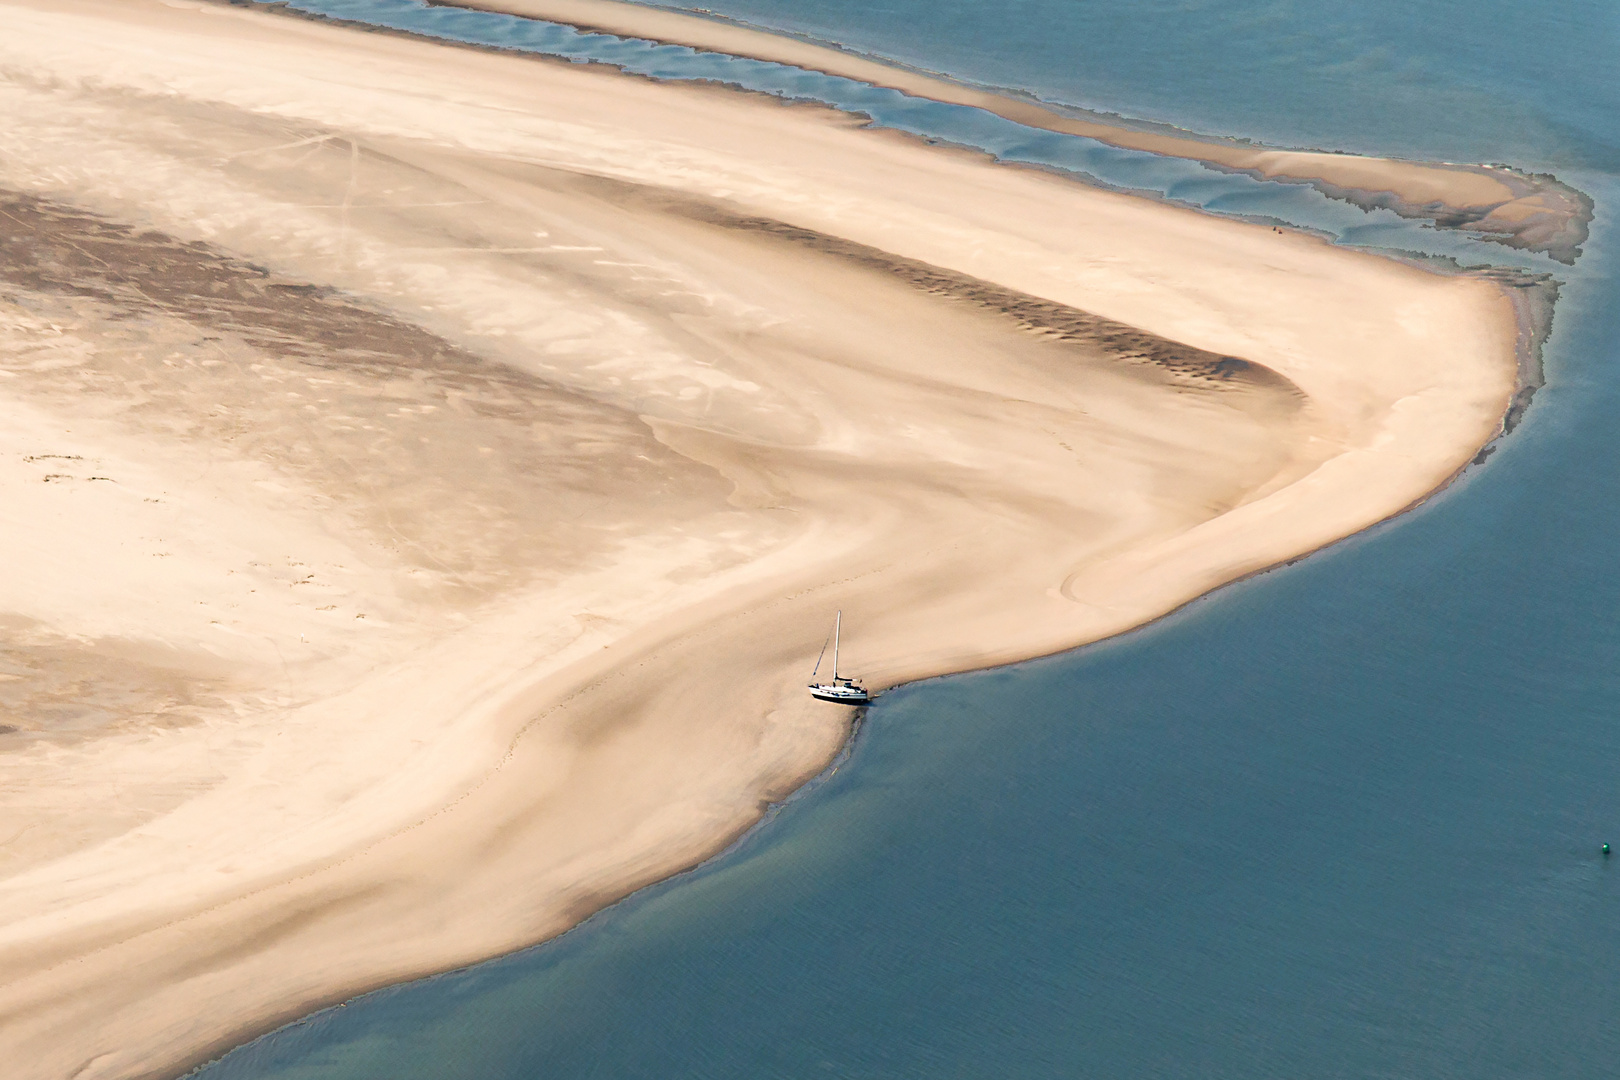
(429,476)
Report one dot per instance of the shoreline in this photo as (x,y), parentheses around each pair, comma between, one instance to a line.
(1529,212)
(801,392)
(1535,307)
(1534,330)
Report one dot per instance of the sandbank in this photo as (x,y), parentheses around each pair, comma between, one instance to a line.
(430,474)
(1534,213)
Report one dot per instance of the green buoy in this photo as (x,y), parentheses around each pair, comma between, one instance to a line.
(1605,851)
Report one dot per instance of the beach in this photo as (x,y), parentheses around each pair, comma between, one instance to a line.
(432,474)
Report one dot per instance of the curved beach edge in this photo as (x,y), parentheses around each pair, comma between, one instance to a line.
(559,412)
(1533,298)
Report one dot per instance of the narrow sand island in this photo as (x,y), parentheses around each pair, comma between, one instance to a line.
(1536,213)
(429,476)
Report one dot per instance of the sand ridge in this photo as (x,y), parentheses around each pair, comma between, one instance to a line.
(431,475)
(1535,213)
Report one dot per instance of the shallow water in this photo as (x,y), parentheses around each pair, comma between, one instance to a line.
(1341,820)
(1186,182)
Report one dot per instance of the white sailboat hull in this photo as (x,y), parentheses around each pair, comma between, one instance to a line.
(841,694)
(840,690)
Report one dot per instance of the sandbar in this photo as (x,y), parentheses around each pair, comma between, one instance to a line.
(1530,212)
(430,474)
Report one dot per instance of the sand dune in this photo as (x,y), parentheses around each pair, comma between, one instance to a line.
(430,476)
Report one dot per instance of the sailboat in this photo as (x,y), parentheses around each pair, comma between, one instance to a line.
(843,691)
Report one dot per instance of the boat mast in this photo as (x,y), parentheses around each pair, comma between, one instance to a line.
(837,625)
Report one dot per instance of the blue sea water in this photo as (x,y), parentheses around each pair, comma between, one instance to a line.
(1340,820)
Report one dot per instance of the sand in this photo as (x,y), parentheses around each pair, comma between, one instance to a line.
(1534,213)
(430,475)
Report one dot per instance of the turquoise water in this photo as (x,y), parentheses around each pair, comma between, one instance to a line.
(1341,820)
(1468,80)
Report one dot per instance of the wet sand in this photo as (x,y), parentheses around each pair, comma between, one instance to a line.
(430,476)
